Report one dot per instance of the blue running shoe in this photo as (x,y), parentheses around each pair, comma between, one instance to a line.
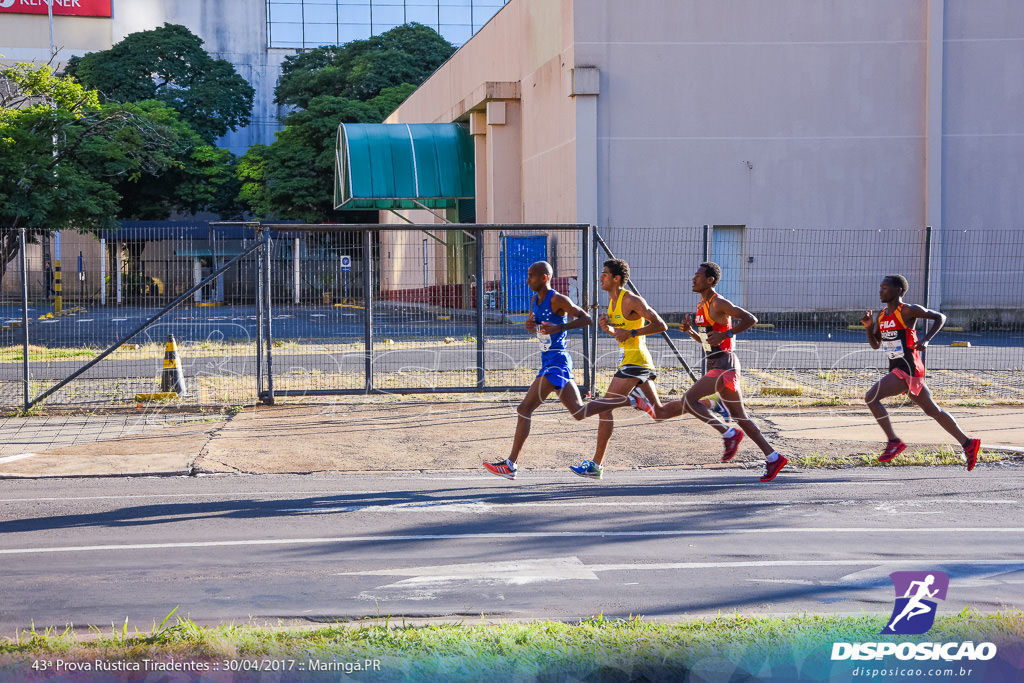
(719,407)
(588,470)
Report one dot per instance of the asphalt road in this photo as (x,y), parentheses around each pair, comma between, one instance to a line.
(664,545)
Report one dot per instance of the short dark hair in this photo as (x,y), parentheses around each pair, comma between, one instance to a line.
(899,281)
(618,268)
(712,269)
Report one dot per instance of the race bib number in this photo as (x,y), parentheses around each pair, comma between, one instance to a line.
(545,341)
(704,340)
(893,349)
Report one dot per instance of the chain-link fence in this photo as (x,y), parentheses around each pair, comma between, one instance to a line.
(290,310)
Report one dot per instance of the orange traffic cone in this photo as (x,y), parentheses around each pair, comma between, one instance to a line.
(173,380)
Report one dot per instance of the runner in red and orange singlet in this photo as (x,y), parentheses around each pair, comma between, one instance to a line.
(715,329)
(894,333)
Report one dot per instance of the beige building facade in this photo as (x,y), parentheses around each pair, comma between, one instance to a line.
(745,115)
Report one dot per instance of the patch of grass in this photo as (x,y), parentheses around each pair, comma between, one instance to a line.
(592,649)
(39,354)
(944,455)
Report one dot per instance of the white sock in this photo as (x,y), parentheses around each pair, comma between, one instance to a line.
(511,465)
(729,434)
(773,456)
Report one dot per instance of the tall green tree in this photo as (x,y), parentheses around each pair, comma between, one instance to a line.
(360,82)
(169,64)
(361,69)
(62,153)
(294,177)
(68,161)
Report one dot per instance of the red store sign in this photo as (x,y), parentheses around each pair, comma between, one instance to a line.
(81,8)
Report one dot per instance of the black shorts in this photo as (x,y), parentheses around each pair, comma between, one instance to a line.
(642,373)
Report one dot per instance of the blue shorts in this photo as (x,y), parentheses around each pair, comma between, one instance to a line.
(557,368)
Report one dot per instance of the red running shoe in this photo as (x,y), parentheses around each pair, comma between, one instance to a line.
(502,469)
(640,402)
(773,468)
(892,449)
(971,448)
(732,444)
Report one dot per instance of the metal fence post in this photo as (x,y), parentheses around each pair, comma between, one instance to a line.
(259,320)
(585,285)
(481,373)
(368,300)
(24,315)
(927,263)
(707,257)
(593,309)
(267,319)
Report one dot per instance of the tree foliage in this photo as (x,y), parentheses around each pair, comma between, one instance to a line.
(294,177)
(361,69)
(360,82)
(169,64)
(68,161)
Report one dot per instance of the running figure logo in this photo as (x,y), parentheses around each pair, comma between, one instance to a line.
(913,612)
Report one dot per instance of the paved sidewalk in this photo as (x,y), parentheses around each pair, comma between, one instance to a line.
(421,436)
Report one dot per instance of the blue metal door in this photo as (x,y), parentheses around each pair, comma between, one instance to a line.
(518,253)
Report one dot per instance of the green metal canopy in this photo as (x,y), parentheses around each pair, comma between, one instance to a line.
(402,166)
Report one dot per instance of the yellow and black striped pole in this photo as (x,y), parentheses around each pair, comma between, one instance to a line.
(57,300)
(173,379)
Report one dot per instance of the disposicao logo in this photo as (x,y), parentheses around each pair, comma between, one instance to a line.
(6,3)
(914,611)
(913,614)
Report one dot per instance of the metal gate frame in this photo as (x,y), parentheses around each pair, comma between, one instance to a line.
(259,244)
(264,340)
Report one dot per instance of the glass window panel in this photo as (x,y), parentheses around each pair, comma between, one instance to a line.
(481,15)
(321,14)
(422,15)
(382,27)
(421,3)
(355,13)
(321,34)
(285,12)
(455,15)
(286,35)
(456,34)
(349,32)
(387,16)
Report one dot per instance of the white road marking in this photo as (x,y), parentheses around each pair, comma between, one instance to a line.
(12,458)
(519,535)
(476,506)
(515,572)
(431,582)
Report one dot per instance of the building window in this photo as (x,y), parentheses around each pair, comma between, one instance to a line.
(304,24)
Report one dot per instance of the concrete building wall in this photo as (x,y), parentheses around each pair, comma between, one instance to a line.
(805,114)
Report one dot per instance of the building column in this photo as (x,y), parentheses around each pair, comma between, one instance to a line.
(933,144)
(584,87)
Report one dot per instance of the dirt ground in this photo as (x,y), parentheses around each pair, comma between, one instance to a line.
(450,433)
(425,437)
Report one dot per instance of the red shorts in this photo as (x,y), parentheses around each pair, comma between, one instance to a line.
(914,384)
(728,377)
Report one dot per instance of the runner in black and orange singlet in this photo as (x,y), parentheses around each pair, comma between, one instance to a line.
(714,328)
(894,333)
